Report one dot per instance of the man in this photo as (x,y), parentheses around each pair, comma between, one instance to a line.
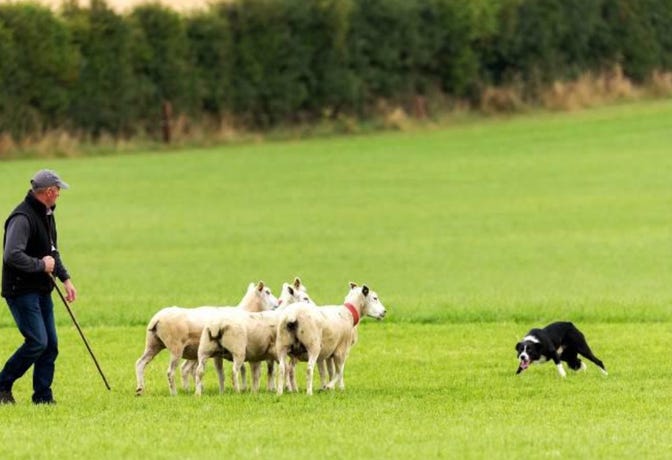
(30,260)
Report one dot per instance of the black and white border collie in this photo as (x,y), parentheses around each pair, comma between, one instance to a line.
(560,341)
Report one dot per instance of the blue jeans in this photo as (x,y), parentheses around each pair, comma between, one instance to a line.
(34,315)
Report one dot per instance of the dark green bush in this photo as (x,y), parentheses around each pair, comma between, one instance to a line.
(272,59)
(162,64)
(660,13)
(526,45)
(104,100)
(329,80)
(210,40)
(445,56)
(383,38)
(40,71)
(584,43)
(268,62)
(7,71)
(633,37)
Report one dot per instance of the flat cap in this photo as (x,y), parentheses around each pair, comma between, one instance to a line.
(47,178)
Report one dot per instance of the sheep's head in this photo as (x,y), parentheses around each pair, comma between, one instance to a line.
(292,293)
(259,298)
(367,300)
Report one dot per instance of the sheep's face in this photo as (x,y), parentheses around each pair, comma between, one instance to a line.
(372,305)
(368,299)
(291,294)
(260,296)
(268,300)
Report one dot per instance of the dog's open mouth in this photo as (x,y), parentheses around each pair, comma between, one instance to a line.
(523,365)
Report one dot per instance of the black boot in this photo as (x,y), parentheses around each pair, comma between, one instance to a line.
(6,397)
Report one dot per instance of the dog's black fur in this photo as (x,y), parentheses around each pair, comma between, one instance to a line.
(560,341)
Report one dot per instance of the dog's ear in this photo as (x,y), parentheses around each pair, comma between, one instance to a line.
(519,347)
(352,285)
(365,290)
(291,291)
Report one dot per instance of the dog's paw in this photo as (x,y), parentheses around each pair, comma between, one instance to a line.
(561,371)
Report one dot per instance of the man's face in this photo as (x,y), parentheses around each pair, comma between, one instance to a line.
(52,195)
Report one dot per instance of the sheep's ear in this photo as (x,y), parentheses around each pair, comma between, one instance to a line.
(365,290)
(297,282)
(260,286)
(353,285)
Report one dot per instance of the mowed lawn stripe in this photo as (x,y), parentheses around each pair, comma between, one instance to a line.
(412,390)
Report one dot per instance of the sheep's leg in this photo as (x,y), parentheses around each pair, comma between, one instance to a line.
(172,366)
(290,383)
(219,367)
(243,375)
(256,375)
(188,368)
(322,370)
(341,381)
(339,363)
(141,363)
(331,367)
(282,364)
(270,371)
(238,365)
(184,372)
(289,366)
(200,370)
(310,367)
(292,377)
(192,369)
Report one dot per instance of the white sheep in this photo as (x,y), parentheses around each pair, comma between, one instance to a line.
(292,293)
(246,336)
(317,334)
(289,294)
(179,330)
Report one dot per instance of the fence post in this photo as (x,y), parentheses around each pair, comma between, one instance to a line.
(166,115)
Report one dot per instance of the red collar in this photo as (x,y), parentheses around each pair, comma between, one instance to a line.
(354,312)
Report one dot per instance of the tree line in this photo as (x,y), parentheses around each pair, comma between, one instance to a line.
(93,71)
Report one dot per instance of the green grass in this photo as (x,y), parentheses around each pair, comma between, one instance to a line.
(462,400)
(471,234)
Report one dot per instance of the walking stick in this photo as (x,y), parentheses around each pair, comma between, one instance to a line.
(79,329)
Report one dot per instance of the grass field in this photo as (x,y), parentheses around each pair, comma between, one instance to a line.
(471,234)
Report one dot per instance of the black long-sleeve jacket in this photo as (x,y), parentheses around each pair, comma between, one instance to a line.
(30,234)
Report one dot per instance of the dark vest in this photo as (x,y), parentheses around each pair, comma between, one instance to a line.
(42,235)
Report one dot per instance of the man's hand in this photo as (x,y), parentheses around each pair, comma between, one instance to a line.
(70,291)
(49,264)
